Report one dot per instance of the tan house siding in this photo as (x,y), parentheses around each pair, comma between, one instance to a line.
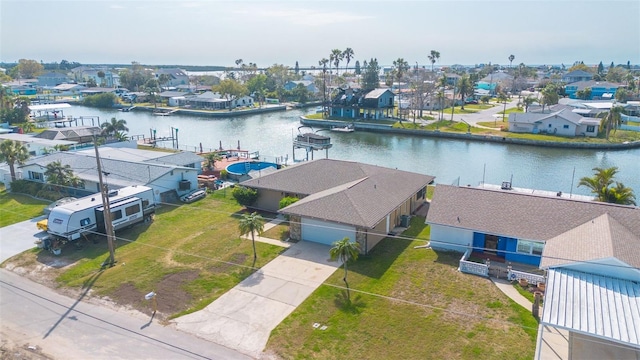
(375,235)
(295,227)
(268,200)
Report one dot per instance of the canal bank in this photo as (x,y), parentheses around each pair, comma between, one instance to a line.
(389,129)
(210,113)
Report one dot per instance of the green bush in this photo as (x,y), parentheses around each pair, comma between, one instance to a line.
(286,201)
(26,187)
(224,174)
(244,196)
(106,100)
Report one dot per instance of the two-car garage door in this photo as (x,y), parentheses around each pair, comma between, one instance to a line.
(326,232)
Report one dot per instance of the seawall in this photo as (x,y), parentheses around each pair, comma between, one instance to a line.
(388,129)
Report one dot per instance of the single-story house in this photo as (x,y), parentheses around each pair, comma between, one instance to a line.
(563,121)
(125,167)
(342,199)
(78,134)
(516,226)
(37,146)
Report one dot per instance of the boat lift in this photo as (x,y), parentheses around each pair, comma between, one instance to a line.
(311,141)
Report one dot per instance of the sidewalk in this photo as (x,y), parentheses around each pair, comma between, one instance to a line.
(512,293)
(269,226)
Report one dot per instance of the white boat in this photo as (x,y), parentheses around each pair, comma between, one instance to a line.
(346,129)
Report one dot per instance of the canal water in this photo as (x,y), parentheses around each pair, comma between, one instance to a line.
(450,161)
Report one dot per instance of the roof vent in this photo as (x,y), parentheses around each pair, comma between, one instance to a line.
(113,193)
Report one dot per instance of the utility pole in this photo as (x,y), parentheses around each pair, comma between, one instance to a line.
(108,224)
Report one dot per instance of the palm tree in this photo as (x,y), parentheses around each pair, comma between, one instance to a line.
(527,102)
(345,250)
(335,58)
(621,194)
(211,159)
(400,68)
(61,176)
(348,55)
(600,183)
(502,97)
(114,126)
(13,152)
(252,223)
(433,57)
(511,58)
(324,63)
(464,88)
(612,120)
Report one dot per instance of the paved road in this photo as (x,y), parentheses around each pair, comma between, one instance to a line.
(67,329)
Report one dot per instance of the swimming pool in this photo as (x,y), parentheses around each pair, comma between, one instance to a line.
(242,168)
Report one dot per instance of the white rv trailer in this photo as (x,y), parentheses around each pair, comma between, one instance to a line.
(128,206)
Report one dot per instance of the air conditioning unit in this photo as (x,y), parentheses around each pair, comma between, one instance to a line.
(184,185)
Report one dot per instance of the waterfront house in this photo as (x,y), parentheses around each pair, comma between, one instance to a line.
(51,79)
(77,134)
(169,174)
(176,77)
(518,227)
(206,101)
(599,89)
(357,104)
(342,199)
(309,85)
(562,121)
(576,75)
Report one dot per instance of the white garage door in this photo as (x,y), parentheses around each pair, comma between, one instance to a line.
(326,232)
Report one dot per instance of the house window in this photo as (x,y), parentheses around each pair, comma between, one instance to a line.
(35,176)
(591,128)
(530,247)
(565,126)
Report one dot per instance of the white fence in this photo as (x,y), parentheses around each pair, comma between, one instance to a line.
(531,278)
(471,267)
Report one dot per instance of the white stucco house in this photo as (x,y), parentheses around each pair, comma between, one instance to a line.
(169,174)
(563,122)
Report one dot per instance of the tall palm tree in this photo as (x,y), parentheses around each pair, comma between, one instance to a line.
(335,58)
(348,55)
(612,120)
(62,176)
(13,152)
(323,62)
(502,97)
(400,67)
(527,102)
(114,126)
(252,223)
(511,58)
(433,57)
(211,159)
(345,250)
(600,185)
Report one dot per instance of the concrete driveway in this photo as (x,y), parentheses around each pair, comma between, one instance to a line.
(242,318)
(17,238)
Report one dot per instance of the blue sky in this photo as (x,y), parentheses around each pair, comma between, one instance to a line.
(210,32)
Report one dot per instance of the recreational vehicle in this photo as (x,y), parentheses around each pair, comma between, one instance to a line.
(128,206)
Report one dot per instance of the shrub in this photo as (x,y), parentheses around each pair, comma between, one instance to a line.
(26,187)
(224,174)
(244,196)
(286,201)
(106,100)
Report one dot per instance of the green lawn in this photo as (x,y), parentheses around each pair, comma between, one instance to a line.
(511,110)
(478,107)
(459,110)
(15,208)
(407,303)
(190,255)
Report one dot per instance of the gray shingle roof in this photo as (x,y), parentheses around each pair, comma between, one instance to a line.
(71,134)
(602,237)
(520,215)
(342,191)
(530,117)
(376,93)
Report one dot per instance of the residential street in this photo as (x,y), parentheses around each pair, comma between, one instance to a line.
(63,328)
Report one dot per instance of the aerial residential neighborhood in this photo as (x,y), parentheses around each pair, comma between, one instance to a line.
(314,180)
